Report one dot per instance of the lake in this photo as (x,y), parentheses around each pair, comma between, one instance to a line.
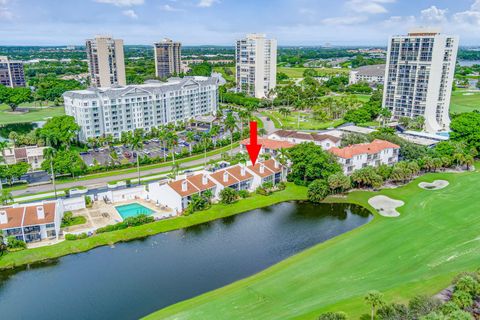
(133,279)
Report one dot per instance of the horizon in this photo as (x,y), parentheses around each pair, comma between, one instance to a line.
(221,22)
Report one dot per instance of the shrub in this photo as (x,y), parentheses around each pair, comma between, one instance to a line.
(14,243)
(281,186)
(318,190)
(88,201)
(127,223)
(244,194)
(72,237)
(228,195)
(333,316)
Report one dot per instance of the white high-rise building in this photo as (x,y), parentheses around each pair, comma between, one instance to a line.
(256,59)
(106,63)
(419,77)
(111,111)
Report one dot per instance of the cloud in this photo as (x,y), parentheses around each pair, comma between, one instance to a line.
(469,17)
(5,13)
(121,3)
(167,7)
(130,13)
(434,15)
(207,3)
(368,6)
(344,20)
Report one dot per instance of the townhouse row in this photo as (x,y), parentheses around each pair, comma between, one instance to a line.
(177,194)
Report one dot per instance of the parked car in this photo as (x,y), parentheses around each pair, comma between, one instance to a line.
(127,154)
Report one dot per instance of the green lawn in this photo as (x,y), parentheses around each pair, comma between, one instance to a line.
(307,121)
(34,114)
(218,211)
(291,72)
(463,101)
(298,72)
(419,252)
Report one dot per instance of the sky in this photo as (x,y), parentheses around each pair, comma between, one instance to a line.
(221,22)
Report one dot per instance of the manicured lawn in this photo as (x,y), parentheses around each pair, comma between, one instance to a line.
(435,238)
(35,114)
(307,121)
(292,192)
(463,101)
(298,72)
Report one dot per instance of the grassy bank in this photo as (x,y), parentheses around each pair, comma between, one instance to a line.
(11,260)
(435,237)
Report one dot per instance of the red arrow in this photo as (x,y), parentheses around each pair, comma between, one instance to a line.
(253,148)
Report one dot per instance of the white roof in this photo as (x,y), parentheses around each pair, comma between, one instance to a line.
(356,129)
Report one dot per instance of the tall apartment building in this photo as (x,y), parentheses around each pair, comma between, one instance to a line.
(256,59)
(11,73)
(111,111)
(168,60)
(419,76)
(106,63)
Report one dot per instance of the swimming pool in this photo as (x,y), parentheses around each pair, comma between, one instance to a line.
(133,210)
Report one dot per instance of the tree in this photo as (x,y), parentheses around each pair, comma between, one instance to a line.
(284,112)
(318,190)
(206,143)
(13,97)
(422,305)
(59,131)
(13,136)
(136,143)
(367,177)
(6,197)
(197,203)
(465,128)
(230,125)
(190,137)
(3,246)
(349,139)
(14,171)
(375,300)
(64,162)
(228,195)
(310,162)
(339,182)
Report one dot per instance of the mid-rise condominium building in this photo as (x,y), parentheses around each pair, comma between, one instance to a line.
(168,60)
(111,111)
(419,76)
(256,59)
(106,63)
(373,75)
(11,73)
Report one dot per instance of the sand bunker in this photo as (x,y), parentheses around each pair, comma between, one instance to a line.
(435,185)
(386,206)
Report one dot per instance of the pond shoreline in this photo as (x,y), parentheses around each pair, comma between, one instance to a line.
(218,211)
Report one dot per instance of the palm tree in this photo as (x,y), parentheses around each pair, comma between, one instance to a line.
(282,156)
(244,116)
(375,300)
(190,137)
(136,143)
(3,246)
(214,131)
(13,136)
(162,136)
(172,140)
(230,125)
(49,155)
(205,139)
(284,112)
(469,161)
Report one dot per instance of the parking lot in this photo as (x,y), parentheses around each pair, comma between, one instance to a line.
(151,148)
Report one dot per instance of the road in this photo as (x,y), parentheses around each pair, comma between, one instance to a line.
(102,182)
(267,125)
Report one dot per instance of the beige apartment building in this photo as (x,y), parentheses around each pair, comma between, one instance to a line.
(106,63)
(256,65)
(168,60)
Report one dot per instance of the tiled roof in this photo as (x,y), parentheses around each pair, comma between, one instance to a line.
(363,148)
(28,215)
(269,168)
(20,153)
(194,185)
(234,176)
(270,144)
